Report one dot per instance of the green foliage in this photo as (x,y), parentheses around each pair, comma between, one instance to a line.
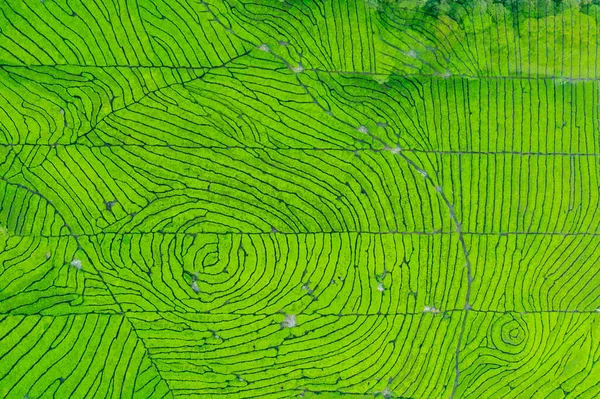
(318,199)
(483,38)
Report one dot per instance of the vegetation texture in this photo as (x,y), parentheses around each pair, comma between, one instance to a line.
(299,199)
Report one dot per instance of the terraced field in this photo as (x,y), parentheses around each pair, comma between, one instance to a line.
(299,199)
